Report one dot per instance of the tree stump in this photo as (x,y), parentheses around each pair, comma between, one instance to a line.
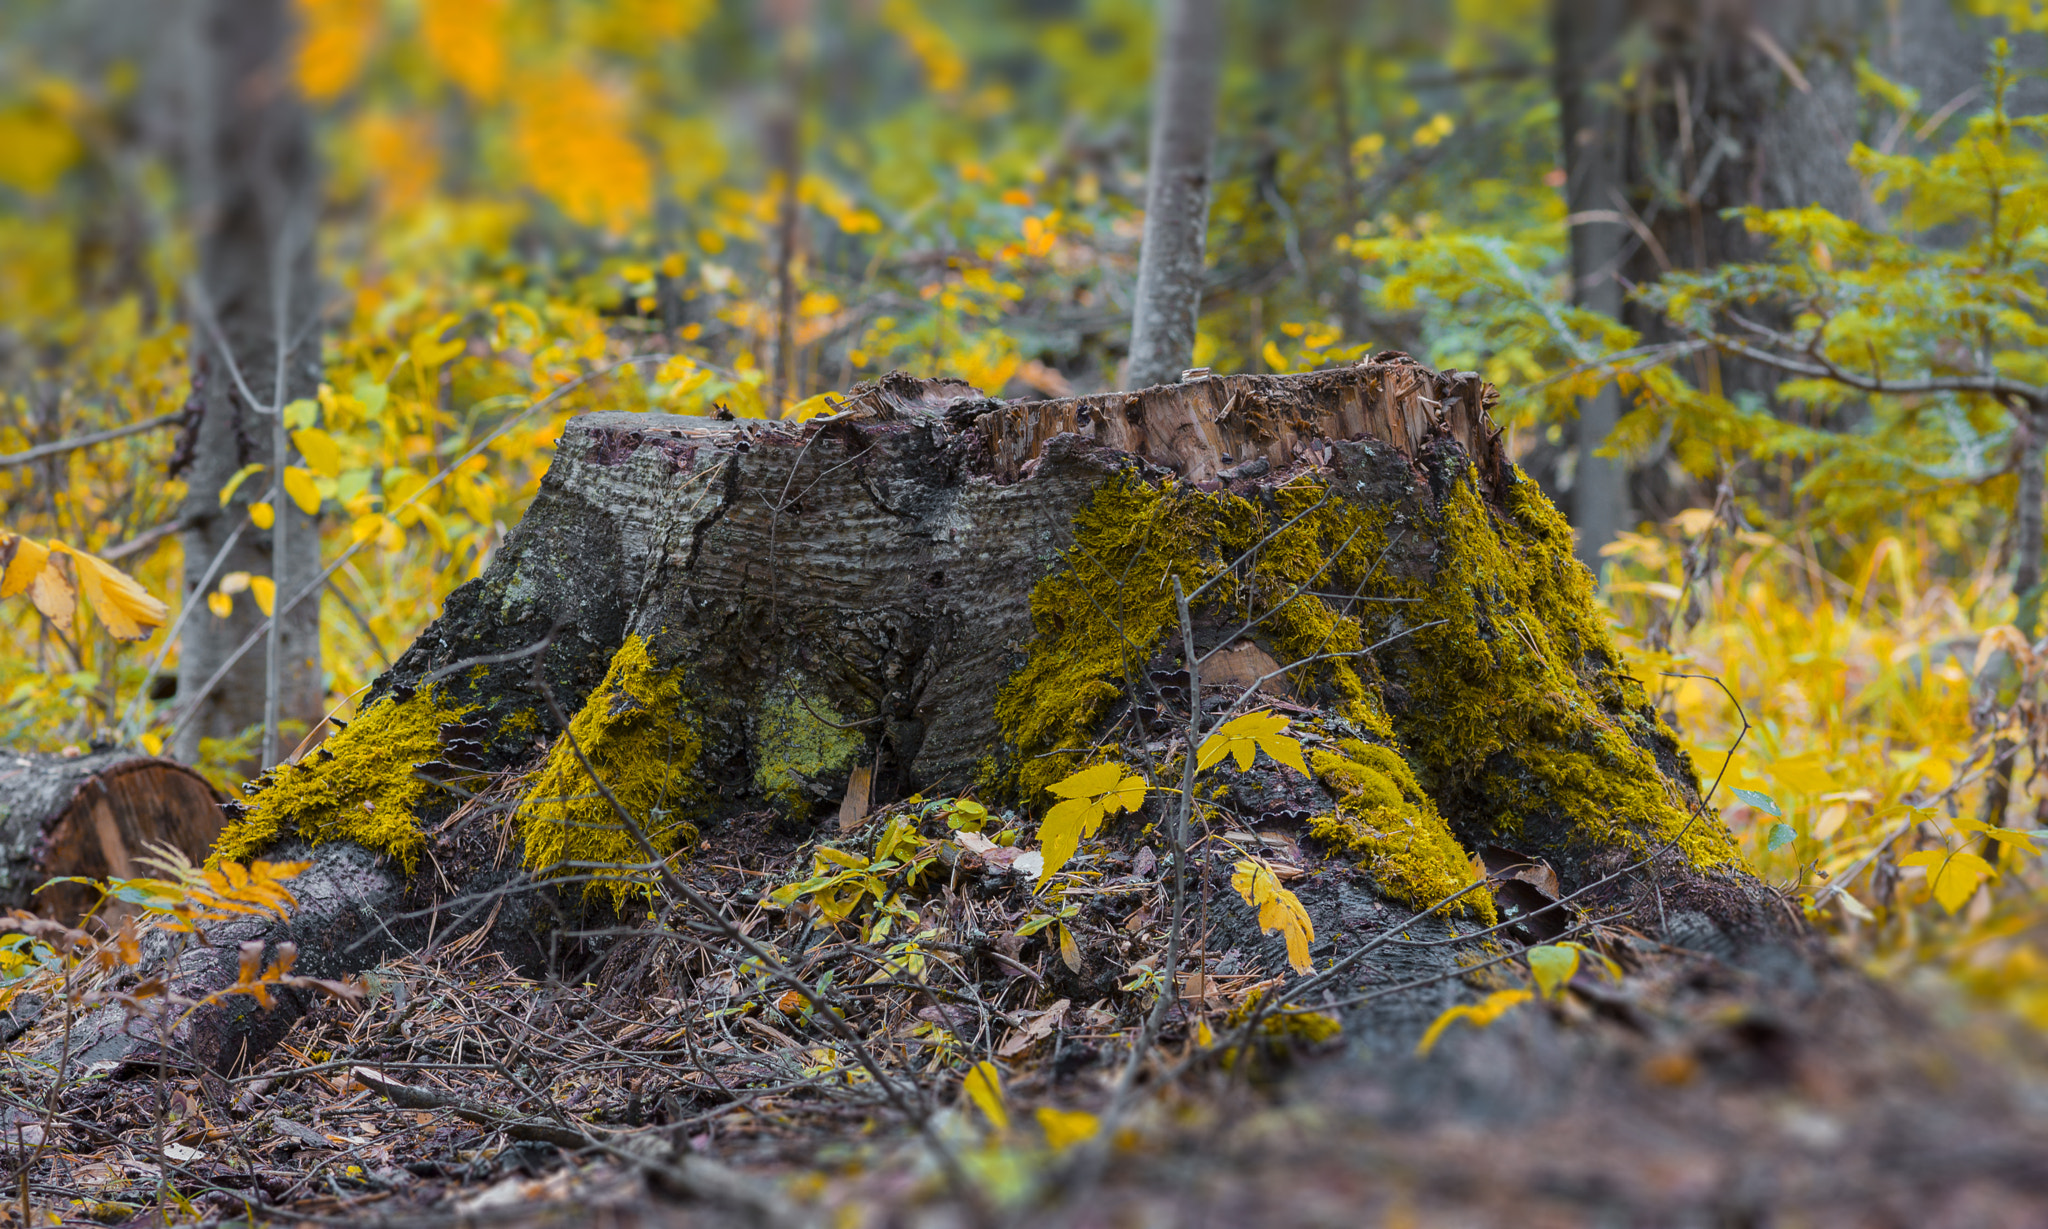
(91,816)
(934,592)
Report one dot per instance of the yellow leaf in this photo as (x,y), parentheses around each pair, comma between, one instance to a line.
(366,527)
(52,595)
(1070,952)
(466,41)
(1243,737)
(20,559)
(1087,796)
(262,515)
(812,407)
(298,484)
(1553,965)
(1065,1128)
(1060,833)
(1279,909)
(984,1086)
(320,451)
(127,609)
(429,351)
(1088,783)
(152,743)
(241,475)
(1953,877)
(1481,1014)
(235,582)
(575,145)
(264,590)
(220,604)
(1274,359)
(335,41)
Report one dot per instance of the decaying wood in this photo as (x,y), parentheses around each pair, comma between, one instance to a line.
(91,816)
(876,568)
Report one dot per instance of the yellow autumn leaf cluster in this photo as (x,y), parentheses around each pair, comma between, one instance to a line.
(574,145)
(124,608)
(1086,798)
(1279,909)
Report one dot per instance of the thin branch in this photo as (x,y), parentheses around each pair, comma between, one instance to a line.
(57,448)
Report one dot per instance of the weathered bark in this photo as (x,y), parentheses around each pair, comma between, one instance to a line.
(1170,268)
(92,816)
(931,589)
(254,199)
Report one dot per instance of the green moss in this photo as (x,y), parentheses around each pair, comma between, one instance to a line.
(1384,819)
(640,736)
(799,738)
(366,793)
(1099,618)
(1518,695)
(1515,713)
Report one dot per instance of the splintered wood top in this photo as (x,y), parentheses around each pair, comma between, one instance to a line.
(1211,424)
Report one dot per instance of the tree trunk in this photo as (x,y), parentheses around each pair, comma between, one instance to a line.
(254,199)
(1170,269)
(91,816)
(933,593)
(1587,39)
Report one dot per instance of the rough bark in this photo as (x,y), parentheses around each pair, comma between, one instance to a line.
(1170,267)
(92,816)
(945,592)
(254,198)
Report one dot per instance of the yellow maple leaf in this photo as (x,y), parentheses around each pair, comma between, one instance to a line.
(1243,737)
(1279,909)
(127,609)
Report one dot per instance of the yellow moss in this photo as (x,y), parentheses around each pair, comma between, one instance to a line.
(1384,819)
(1101,617)
(798,737)
(522,722)
(640,737)
(1519,696)
(366,793)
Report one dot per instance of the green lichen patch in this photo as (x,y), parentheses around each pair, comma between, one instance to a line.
(799,738)
(640,736)
(367,792)
(1386,821)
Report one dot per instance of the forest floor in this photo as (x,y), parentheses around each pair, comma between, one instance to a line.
(1695,1092)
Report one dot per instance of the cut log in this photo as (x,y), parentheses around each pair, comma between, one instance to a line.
(934,592)
(91,816)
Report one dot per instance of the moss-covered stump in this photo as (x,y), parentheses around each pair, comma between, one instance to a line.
(934,593)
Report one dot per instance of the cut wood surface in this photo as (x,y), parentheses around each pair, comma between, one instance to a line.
(91,816)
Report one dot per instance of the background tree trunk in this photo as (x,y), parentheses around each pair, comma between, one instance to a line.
(1170,267)
(1725,106)
(253,197)
(1587,37)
